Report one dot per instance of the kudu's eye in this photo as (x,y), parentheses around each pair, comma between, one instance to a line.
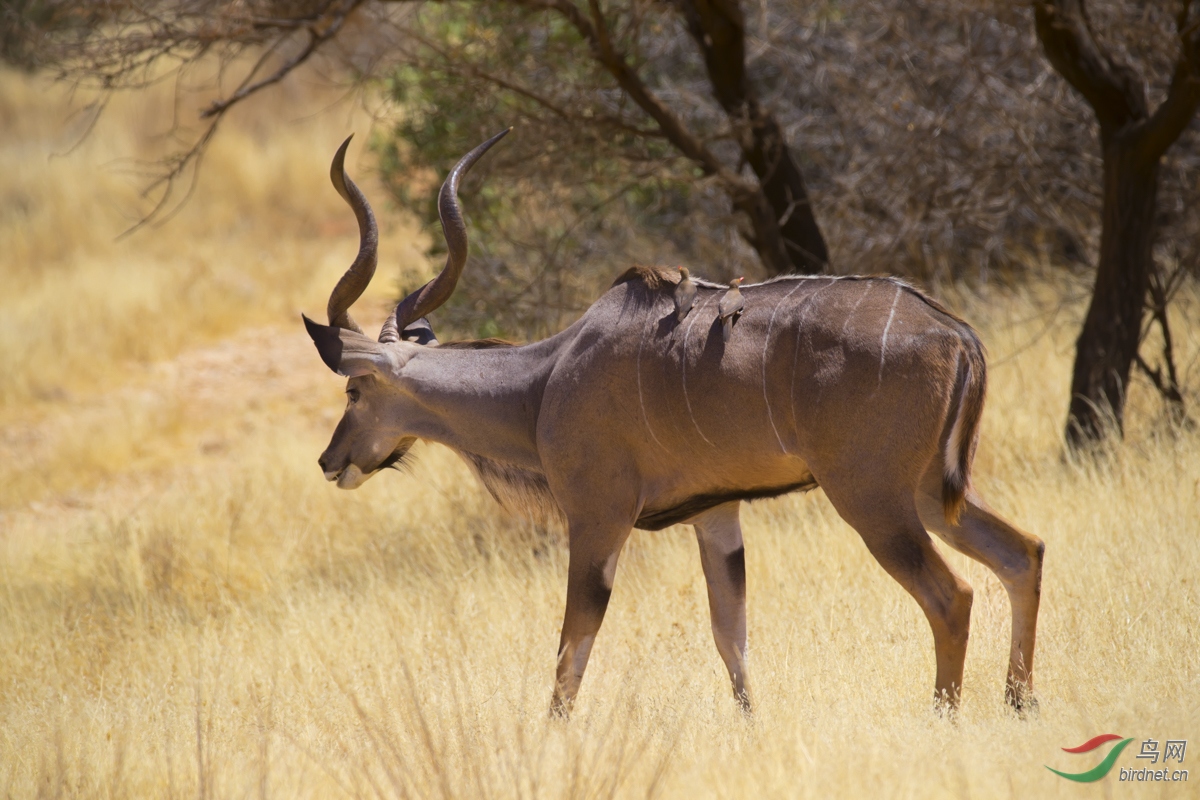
(352,394)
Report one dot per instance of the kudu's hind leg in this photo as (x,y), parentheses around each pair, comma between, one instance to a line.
(893,533)
(719,533)
(1016,558)
(593,565)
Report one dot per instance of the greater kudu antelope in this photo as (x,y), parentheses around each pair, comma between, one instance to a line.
(630,418)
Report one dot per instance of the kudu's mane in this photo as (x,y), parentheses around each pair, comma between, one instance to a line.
(657,280)
(476,344)
(653,278)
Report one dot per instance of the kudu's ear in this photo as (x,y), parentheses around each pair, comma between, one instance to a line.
(347,352)
(419,332)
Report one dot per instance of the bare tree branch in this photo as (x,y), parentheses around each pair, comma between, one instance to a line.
(1110,87)
(718,28)
(317,36)
(1177,110)
(556,109)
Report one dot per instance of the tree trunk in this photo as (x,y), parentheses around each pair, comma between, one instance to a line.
(1133,139)
(778,174)
(1108,343)
(786,233)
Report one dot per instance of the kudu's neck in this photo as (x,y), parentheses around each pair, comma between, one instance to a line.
(482,401)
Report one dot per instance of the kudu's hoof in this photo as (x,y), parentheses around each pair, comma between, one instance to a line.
(1022,701)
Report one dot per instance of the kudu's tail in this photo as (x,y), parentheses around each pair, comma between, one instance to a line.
(966,413)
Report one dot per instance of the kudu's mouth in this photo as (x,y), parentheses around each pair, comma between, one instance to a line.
(352,476)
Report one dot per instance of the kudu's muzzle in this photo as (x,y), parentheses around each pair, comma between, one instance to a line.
(347,477)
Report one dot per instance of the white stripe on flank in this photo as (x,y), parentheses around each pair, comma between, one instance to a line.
(795,354)
(766,346)
(854,308)
(641,400)
(886,328)
(683,370)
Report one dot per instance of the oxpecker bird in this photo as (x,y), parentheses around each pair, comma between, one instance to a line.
(730,308)
(685,294)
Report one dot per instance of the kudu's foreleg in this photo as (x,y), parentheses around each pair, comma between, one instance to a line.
(1016,558)
(724,560)
(593,565)
(892,531)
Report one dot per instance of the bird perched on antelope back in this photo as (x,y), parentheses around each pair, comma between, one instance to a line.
(729,310)
(685,294)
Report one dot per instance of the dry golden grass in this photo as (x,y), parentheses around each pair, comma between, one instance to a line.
(263,235)
(188,609)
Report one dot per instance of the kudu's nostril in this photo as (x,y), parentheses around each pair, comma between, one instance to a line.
(330,475)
